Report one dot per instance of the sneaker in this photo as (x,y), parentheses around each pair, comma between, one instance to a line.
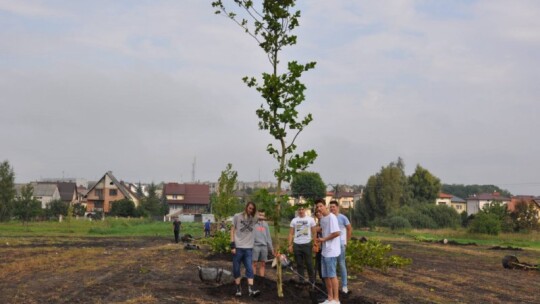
(238,293)
(254,293)
(327,302)
(345,290)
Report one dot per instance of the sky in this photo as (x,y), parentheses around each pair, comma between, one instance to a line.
(152,89)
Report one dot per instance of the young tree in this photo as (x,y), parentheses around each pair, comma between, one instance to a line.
(525,216)
(151,204)
(56,208)
(271,24)
(226,204)
(26,206)
(7,190)
(308,185)
(79,209)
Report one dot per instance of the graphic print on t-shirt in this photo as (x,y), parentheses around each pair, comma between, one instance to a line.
(246,225)
(301,229)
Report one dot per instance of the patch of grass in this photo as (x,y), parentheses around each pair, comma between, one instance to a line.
(108,227)
(531,240)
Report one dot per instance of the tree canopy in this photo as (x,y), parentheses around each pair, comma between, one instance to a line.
(7,190)
(423,185)
(308,185)
(225,202)
(26,207)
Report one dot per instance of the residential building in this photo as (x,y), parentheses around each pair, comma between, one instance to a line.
(187,198)
(476,202)
(107,190)
(459,204)
(528,199)
(68,192)
(46,193)
(444,199)
(450,200)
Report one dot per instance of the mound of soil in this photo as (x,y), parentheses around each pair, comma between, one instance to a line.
(292,293)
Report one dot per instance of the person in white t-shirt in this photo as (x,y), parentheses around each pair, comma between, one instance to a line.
(345,236)
(301,231)
(331,249)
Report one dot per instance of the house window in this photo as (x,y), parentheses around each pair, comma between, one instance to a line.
(113,192)
(99,192)
(458,207)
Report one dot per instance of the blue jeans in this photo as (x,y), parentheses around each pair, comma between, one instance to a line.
(342,267)
(245,256)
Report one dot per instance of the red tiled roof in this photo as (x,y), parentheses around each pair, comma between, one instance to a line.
(444,195)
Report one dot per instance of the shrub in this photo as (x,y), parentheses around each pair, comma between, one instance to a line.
(123,208)
(374,254)
(398,223)
(416,218)
(465,218)
(219,243)
(485,223)
(443,216)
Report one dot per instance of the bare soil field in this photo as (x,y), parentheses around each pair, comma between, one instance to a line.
(154,270)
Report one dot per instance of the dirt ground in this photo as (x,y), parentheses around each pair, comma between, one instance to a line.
(154,270)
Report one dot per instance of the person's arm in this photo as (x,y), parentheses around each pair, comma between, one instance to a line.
(269,240)
(314,231)
(291,235)
(233,250)
(349,232)
(332,235)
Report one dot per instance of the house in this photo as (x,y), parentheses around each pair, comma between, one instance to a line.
(68,192)
(477,201)
(187,198)
(528,199)
(46,193)
(346,200)
(458,203)
(444,199)
(451,201)
(107,190)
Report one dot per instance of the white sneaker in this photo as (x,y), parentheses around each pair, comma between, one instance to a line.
(327,302)
(335,302)
(345,290)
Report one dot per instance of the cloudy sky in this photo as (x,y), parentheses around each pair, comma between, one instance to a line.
(147,88)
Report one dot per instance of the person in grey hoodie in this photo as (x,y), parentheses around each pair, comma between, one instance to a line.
(242,241)
(262,245)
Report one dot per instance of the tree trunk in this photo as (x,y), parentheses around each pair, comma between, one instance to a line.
(276,245)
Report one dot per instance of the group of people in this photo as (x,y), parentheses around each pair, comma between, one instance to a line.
(327,237)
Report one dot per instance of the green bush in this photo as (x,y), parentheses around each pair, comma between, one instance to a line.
(219,243)
(416,218)
(374,254)
(124,208)
(398,223)
(443,216)
(485,223)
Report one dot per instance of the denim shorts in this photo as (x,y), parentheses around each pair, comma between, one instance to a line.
(329,267)
(243,256)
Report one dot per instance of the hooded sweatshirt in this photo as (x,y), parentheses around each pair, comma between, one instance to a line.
(262,235)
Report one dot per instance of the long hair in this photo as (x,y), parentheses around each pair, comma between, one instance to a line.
(246,209)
